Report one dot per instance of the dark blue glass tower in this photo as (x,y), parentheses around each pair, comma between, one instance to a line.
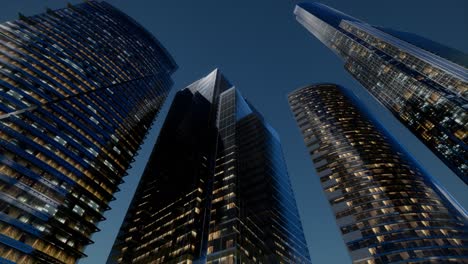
(79,89)
(216,188)
(423,83)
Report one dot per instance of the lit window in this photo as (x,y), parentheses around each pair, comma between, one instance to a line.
(77,209)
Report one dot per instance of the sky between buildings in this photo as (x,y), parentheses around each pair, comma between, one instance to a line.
(265,53)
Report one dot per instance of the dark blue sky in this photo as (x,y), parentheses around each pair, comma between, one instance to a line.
(262,50)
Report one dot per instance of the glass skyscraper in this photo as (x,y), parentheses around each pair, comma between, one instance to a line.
(423,83)
(79,89)
(387,208)
(216,187)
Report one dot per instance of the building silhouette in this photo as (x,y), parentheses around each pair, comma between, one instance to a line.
(79,89)
(215,189)
(387,208)
(423,83)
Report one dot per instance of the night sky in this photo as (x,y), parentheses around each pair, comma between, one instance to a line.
(265,53)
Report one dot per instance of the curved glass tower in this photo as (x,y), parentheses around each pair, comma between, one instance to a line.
(79,89)
(387,208)
(216,188)
(423,83)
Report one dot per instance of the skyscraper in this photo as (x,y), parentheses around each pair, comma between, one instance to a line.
(79,89)
(423,83)
(388,209)
(215,189)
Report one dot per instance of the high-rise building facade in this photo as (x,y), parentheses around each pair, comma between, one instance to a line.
(388,209)
(423,83)
(216,188)
(79,89)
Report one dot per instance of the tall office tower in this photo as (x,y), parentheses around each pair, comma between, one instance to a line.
(424,84)
(215,189)
(79,89)
(387,208)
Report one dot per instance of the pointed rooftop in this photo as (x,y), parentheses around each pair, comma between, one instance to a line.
(210,85)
